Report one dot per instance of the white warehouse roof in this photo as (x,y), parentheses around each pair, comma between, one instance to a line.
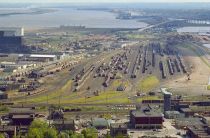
(164,91)
(42,56)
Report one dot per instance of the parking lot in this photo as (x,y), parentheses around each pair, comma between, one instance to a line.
(167,131)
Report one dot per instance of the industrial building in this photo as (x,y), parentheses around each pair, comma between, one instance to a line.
(3,95)
(11,40)
(201,129)
(146,118)
(100,123)
(10,131)
(8,85)
(12,31)
(172,114)
(167,99)
(37,57)
(15,66)
(198,132)
(21,116)
(63,124)
(118,129)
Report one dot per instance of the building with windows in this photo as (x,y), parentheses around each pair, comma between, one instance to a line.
(146,118)
(11,40)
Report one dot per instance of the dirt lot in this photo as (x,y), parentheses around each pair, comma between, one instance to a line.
(199,76)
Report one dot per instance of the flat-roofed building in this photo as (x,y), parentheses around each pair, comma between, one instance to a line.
(12,31)
(197,132)
(172,114)
(37,57)
(21,116)
(64,124)
(100,123)
(3,95)
(146,118)
(11,40)
(118,129)
(187,112)
(167,99)
(9,131)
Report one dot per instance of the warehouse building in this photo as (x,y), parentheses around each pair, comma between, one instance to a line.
(11,40)
(62,124)
(146,118)
(100,123)
(15,66)
(21,116)
(118,129)
(198,132)
(37,57)
(9,131)
(167,99)
(173,114)
(3,95)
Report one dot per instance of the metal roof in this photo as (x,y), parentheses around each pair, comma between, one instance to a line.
(164,91)
(100,122)
(118,125)
(42,56)
(140,113)
(63,121)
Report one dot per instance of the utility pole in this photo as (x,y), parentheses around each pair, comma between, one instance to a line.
(59,102)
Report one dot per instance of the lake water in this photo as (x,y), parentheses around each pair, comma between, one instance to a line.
(88,18)
(206,45)
(194,29)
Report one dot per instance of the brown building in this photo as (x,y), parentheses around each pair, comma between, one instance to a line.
(198,132)
(21,116)
(63,124)
(118,128)
(9,131)
(187,112)
(146,119)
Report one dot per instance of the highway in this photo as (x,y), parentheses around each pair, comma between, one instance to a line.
(155,25)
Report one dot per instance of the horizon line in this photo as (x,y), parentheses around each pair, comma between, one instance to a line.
(104,2)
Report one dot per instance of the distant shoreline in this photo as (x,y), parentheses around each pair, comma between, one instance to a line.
(31,12)
(55,17)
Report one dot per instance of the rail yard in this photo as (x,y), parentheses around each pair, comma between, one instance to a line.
(147,78)
(125,69)
(109,72)
(131,64)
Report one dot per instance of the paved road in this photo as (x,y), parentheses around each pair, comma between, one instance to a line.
(155,25)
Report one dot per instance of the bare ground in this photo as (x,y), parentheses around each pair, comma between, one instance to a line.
(200,73)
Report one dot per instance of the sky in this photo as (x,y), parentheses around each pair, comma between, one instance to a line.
(99,1)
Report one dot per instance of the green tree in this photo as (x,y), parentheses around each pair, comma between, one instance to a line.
(1,136)
(84,132)
(108,136)
(38,124)
(63,135)
(76,135)
(40,129)
(90,133)
(50,133)
(69,132)
(35,133)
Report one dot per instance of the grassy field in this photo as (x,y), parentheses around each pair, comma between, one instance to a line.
(107,97)
(147,98)
(208,87)
(200,108)
(148,83)
(103,98)
(196,51)
(138,36)
(52,95)
(116,83)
